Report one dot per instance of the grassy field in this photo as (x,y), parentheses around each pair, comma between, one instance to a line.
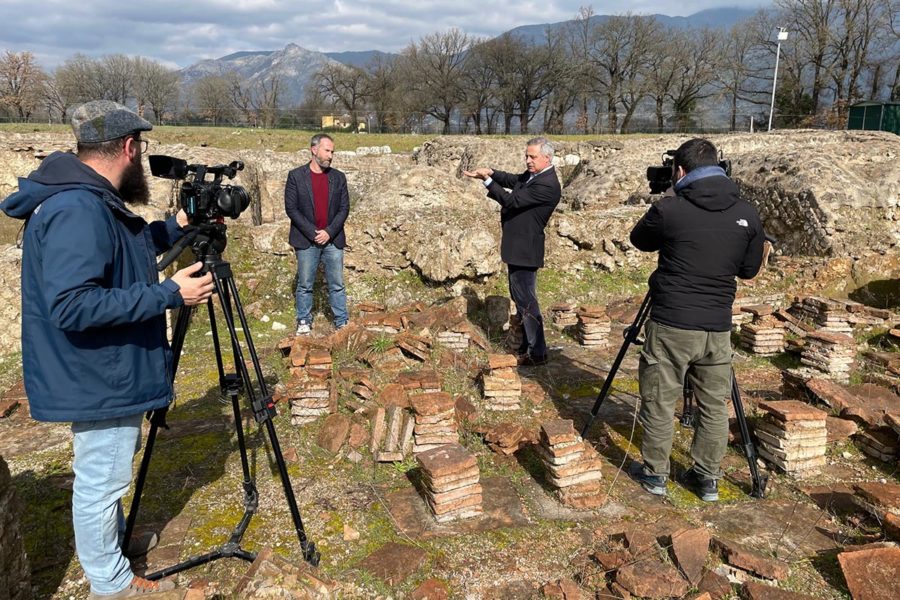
(279,140)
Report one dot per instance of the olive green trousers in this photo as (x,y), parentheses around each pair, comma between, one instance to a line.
(668,356)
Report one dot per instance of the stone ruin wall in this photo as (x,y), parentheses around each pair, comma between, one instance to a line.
(821,194)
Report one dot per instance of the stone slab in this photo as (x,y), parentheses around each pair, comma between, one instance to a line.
(393,563)
(872,574)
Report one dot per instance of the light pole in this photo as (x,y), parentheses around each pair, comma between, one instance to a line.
(782,36)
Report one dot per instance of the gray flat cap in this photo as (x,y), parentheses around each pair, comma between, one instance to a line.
(104,120)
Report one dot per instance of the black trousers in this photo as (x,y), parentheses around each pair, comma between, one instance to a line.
(523,289)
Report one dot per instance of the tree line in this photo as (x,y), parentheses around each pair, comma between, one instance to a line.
(620,73)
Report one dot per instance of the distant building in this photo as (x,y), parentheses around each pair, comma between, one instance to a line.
(875,116)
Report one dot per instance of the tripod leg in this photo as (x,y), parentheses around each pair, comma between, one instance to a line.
(264,408)
(157,420)
(758,481)
(631,335)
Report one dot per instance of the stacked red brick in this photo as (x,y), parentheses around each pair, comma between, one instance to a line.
(450,479)
(564,315)
(828,315)
(764,335)
(831,353)
(501,383)
(593,326)
(435,421)
(311,392)
(792,436)
(573,465)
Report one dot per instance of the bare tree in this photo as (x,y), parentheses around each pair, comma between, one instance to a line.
(346,86)
(813,21)
(212,98)
(743,65)
(116,73)
(383,92)
(694,74)
(479,85)
(502,54)
(155,86)
(21,83)
(433,69)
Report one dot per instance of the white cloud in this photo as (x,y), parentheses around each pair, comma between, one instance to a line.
(181,33)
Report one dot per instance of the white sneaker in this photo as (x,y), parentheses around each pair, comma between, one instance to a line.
(303,329)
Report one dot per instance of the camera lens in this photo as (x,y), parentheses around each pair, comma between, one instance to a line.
(233,200)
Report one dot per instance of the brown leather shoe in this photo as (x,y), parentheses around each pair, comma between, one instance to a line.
(138,587)
(532,361)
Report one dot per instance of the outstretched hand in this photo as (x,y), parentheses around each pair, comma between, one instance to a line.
(194,290)
(481,174)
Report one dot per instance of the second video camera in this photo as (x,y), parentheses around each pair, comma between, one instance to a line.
(660,178)
(203,200)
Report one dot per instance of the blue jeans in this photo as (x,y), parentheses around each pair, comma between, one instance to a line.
(308,261)
(104,451)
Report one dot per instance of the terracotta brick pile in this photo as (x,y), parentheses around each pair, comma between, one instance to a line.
(831,353)
(367,308)
(455,340)
(435,421)
(564,315)
(419,382)
(311,396)
(501,383)
(881,443)
(593,326)
(392,433)
(506,438)
(764,335)
(828,315)
(383,322)
(450,479)
(792,437)
(418,347)
(573,465)
(793,324)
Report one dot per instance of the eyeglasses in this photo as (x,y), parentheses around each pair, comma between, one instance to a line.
(143,144)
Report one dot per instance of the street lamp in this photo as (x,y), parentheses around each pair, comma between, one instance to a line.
(782,36)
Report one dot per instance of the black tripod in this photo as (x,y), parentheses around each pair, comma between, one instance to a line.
(631,333)
(208,241)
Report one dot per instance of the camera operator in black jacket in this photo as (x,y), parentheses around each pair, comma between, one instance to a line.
(706,235)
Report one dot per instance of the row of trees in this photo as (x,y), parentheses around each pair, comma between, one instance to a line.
(612,74)
(601,73)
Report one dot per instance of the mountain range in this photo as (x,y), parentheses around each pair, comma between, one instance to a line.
(296,65)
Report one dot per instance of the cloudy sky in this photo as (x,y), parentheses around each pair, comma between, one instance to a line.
(180,33)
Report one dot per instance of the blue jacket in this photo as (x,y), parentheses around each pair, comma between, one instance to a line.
(93,311)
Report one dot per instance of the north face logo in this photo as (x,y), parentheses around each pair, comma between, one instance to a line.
(743,223)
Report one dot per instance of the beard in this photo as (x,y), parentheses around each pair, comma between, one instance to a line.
(134,187)
(322,162)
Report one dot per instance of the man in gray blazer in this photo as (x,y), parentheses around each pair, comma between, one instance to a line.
(317,202)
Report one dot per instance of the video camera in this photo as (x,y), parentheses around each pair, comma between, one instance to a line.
(660,178)
(203,200)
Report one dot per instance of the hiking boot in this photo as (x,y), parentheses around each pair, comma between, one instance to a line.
(138,587)
(140,544)
(654,484)
(705,487)
(303,328)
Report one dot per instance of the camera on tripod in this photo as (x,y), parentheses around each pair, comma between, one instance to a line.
(203,200)
(660,178)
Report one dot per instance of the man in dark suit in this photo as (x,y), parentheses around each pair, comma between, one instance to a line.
(317,202)
(526,208)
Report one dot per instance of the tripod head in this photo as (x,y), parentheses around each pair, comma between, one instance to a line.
(207,240)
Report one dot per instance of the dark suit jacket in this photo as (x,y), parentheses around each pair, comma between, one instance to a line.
(526,210)
(298,204)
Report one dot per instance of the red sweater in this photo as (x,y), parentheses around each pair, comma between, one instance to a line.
(320,198)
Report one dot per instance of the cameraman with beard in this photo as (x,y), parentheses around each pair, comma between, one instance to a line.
(94,347)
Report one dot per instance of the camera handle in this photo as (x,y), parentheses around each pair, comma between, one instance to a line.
(231,385)
(748,447)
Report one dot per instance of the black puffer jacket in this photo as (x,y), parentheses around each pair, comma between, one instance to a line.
(706,235)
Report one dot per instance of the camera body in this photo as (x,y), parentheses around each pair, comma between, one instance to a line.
(202,200)
(660,177)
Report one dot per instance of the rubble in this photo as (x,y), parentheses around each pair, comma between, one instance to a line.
(506,438)
(881,443)
(501,384)
(741,557)
(311,397)
(392,433)
(594,326)
(435,421)
(877,499)
(764,335)
(450,478)
(573,465)
(829,315)
(792,437)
